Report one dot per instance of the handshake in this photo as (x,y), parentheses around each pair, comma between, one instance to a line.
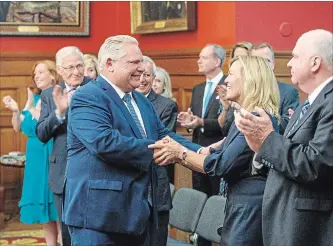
(166,151)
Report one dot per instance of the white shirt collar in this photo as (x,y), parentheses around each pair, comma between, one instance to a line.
(316,91)
(116,88)
(217,78)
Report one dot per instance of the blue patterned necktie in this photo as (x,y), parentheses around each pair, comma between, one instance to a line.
(128,100)
(207,97)
(305,107)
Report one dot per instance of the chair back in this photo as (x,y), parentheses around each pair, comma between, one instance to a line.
(187,207)
(211,219)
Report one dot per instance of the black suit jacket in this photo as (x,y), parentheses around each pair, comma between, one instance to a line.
(211,131)
(298,199)
(49,127)
(165,108)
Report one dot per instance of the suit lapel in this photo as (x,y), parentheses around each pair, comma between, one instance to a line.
(199,99)
(212,98)
(319,99)
(115,97)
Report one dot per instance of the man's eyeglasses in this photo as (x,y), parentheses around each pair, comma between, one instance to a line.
(71,69)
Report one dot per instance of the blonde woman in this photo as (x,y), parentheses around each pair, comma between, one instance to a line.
(36,205)
(250,83)
(90,66)
(162,83)
(241,49)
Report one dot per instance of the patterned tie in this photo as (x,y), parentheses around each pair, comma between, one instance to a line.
(305,108)
(128,100)
(70,94)
(206,98)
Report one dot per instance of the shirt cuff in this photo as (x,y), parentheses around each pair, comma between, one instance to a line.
(61,119)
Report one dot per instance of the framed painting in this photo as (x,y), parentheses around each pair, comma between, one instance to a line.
(162,16)
(44,18)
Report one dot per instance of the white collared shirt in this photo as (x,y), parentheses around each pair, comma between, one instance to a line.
(316,91)
(121,95)
(215,81)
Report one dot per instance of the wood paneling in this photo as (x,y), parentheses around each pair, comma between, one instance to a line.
(15,76)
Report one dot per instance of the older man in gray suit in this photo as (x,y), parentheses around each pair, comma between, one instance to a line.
(52,122)
(298,198)
(166,109)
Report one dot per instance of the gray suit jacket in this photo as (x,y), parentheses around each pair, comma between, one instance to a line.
(298,199)
(165,108)
(49,127)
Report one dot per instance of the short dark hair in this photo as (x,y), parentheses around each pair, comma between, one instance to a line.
(263,45)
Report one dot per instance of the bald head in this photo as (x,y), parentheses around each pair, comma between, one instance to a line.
(318,43)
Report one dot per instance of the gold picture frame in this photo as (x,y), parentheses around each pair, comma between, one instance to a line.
(32,18)
(162,16)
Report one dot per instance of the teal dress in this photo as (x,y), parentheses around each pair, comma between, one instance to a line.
(36,204)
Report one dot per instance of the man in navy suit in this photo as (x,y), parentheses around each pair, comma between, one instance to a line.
(289,98)
(110,176)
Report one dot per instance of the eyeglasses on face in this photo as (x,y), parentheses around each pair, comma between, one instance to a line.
(70,69)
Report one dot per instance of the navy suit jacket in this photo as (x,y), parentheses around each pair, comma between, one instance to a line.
(109,164)
(289,98)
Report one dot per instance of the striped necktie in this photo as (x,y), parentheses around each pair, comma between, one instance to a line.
(305,107)
(128,100)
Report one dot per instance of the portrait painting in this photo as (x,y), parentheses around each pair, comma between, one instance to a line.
(44,18)
(162,16)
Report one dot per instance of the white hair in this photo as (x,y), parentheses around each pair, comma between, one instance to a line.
(321,45)
(148,59)
(167,83)
(67,51)
(112,48)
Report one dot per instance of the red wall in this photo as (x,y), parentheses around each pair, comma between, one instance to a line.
(112,18)
(217,22)
(260,21)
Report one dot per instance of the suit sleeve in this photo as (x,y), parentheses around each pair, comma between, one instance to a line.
(48,123)
(169,116)
(231,161)
(91,123)
(291,100)
(303,163)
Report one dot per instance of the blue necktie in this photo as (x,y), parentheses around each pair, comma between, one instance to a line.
(206,98)
(128,100)
(305,107)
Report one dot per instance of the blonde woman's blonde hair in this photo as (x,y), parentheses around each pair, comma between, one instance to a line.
(259,88)
(167,83)
(113,48)
(91,60)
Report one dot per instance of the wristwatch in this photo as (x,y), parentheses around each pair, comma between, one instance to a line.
(184,154)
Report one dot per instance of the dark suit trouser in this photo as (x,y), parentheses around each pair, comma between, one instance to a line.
(158,236)
(210,186)
(87,237)
(66,239)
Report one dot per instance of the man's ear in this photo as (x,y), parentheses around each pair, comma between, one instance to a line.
(109,65)
(59,70)
(315,63)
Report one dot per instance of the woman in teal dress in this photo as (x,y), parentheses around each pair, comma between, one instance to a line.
(36,204)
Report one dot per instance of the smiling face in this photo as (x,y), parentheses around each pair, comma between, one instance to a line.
(72,70)
(42,77)
(158,83)
(234,82)
(128,69)
(146,80)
